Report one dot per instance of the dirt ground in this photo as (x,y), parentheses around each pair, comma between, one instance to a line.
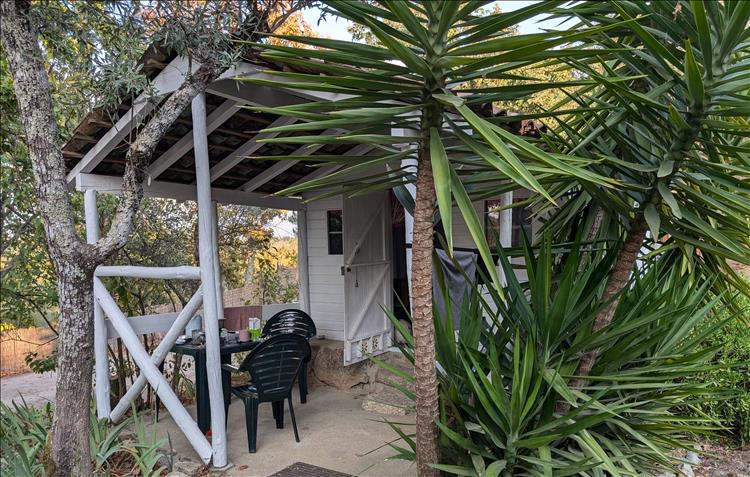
(721,461)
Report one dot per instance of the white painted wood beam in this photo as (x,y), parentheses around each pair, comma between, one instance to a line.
(182,192)
(206,252)
(144,324)
(217,117)
(283,165)
(157,380)
(251,94)
(167,81)
(303,266)
(359,150)
(165,345)
(159,273)
(249,147)
(248,70)
(101,354)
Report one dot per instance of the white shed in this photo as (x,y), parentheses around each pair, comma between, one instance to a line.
(353,251)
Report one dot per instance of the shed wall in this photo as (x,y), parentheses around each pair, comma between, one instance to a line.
(326,282)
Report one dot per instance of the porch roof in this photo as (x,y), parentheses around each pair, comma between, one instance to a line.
(240,170)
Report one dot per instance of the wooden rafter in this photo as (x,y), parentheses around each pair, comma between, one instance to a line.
(246,149)
(167,81)
(281,166)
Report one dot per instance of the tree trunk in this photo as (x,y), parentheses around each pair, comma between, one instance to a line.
(75,365)
(423,326)
(616,282)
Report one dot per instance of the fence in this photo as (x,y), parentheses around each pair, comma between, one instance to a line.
(16,344)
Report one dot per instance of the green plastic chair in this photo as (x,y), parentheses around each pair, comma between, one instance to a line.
(295,322)
(273,366)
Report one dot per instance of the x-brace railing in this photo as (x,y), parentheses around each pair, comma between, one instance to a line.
(148,365)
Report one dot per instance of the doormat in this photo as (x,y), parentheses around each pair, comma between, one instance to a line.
(300,469)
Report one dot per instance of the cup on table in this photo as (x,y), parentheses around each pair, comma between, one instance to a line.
(244,336)
(255,328)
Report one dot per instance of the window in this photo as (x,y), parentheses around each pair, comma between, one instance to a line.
(520,219)
(335,233)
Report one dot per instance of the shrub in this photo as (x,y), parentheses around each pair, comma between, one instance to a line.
(23,437)
(733,342)
(506,408)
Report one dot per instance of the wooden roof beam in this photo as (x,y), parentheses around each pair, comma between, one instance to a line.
(182,192)
(167,81)
(246,149)
(185,144)
(283,165)
(359,150)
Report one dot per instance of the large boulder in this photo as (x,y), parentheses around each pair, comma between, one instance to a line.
(327,368)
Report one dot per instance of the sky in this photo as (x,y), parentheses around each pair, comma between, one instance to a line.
(336,28)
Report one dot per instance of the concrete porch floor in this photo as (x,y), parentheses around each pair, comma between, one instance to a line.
(335,433)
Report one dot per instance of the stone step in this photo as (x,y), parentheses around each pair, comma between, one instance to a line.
(383,377)
(388,401)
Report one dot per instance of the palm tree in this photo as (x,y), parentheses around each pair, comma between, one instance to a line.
(679,131)
(422,78)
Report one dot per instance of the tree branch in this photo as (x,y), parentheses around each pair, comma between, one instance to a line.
(32,88)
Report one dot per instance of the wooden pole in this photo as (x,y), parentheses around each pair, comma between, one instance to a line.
(506,230)
(157,380)
(100,329)
(159,353)
(158,273)
(302,262)
(207,255)
(217,264)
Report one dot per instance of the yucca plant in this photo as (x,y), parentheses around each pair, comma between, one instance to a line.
(25,430)
(677,137)
(501,379)
(425,79)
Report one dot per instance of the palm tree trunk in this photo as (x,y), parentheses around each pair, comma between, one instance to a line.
(423,326)
(616,282)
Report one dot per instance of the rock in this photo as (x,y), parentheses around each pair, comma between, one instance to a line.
(692,458)
(327,367)
(177,474)
(686,470)
(388,401)
(189,467)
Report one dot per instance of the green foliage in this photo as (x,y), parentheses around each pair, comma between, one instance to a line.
(675,134)
(41,364)
(24,431)
(733,343)
(420,76)
(503,374)
(23,435)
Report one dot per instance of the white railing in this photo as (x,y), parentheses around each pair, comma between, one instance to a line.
(125,327)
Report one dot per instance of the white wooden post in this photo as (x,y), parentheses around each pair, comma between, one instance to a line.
(181,417)
(100,329)
(506,230)
(183,272)
(302,263)
(159,353)
(217,264)
(206,249)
